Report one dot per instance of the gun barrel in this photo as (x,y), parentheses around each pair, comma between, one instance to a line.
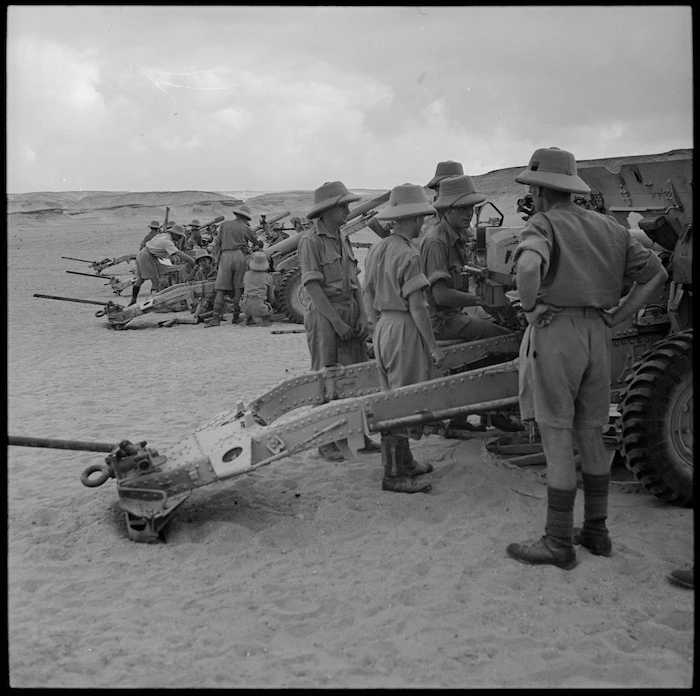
(369,205)
(59,444)
(71,299)
(273,220)
(89,275)
(70,258)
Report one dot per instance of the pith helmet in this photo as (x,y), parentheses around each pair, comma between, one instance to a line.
(443,170)
(194,223)
(555,169)
(258,261)
(242,211)
(178,230)
(407,200)
(458,192)
(155,225)
(202,254)
(330,194)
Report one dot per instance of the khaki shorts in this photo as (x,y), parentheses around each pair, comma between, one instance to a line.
(232,268)
(564,371)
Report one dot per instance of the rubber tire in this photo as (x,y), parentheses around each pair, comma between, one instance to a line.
(292,297)
(657,420)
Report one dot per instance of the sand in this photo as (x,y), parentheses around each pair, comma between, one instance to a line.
(304,574)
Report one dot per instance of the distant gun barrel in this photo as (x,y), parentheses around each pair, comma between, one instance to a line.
(74,299)
(369,205)
(21,441)
(89,275)
(71,258)
(273,220)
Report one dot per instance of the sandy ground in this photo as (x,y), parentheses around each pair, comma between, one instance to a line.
(304,573)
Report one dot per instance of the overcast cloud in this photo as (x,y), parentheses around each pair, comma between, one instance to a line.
(276,98)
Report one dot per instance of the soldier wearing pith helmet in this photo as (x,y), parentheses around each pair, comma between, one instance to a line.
(335,321)
(230,249)
(571,265)
(405,348)
(444,250)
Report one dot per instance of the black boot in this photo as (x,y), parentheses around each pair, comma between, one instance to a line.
(410,465)
(395,478)
(134,294)
(556,546)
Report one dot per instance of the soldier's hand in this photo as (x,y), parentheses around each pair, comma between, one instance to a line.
(608,317)
(344,331)
(542,314)
(437,356)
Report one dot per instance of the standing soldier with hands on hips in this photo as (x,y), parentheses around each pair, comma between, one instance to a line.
(405,348)
(571,264)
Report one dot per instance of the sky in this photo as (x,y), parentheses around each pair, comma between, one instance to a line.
(275,98)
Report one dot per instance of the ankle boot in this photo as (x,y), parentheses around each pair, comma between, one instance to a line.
(214,321)
(556,546)
(410,465)
(395,478)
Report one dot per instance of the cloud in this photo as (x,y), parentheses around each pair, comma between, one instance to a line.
(274,97)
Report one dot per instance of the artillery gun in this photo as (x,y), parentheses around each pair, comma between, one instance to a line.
(651,375)
(284,260)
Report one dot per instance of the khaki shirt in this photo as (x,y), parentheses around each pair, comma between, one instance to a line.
(587,257)
(162,246)
(444,254)
(234,234)
(329,259)
(393,270)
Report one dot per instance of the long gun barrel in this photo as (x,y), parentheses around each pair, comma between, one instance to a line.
(74,299)
(273,220)
(59,444)
(89,275)
(71,258)
(369,205)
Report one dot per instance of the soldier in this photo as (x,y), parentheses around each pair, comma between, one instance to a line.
(335,322)
(194,237)
(161,247)
(155,229)
(204,269)
(443,171)
(230,249)
(444,250)
(572,264)
(405,348)
(258,290)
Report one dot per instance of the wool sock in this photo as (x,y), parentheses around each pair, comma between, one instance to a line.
(560,515)
(595,503)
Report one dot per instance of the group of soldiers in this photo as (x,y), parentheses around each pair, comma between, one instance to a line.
(571,266)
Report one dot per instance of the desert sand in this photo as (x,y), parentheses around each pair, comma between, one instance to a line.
(303,574)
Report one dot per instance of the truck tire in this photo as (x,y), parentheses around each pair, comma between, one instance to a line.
(657,420)
(292,297)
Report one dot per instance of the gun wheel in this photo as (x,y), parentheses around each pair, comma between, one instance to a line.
(657,420)
(291,296)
